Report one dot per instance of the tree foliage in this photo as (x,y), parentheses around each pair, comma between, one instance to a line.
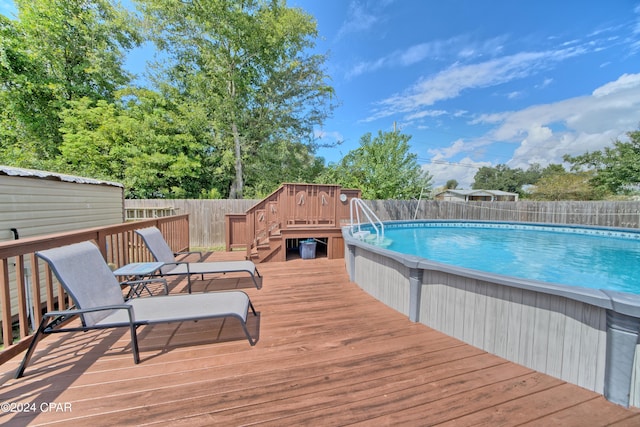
(247,62)
(382,167)
(234,100)
(550,183)
(500,177)
(564,185)
(280,161)
(615,169)
(230,110)
(158,148)
(451,184)
(55,53)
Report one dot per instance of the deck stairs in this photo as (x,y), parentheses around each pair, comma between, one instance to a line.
(292,213)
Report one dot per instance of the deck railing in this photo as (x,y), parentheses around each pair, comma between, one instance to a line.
(291,206)
(28,288)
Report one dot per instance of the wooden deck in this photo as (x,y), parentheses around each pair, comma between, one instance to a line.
(328,354)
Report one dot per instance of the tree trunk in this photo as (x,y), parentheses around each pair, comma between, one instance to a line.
(237,186)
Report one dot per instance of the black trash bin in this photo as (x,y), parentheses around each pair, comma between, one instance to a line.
(308,249)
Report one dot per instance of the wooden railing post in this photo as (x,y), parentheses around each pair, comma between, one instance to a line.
(35,291)
(5,303)
(23,325)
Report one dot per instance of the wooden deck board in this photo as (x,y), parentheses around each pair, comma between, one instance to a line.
(328,354)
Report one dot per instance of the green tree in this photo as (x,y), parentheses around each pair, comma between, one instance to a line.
(382,167)
(451,184)
(56,52)
(277,162)
(616,169)
(502,177)
(156,147)
(565,185)
(552,169)
(26,121)
(247,62)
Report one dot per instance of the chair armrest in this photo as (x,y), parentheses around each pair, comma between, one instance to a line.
(76,311)
(176,264)
(132,283)
(189,253)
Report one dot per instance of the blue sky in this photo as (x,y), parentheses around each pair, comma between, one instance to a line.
(478,82)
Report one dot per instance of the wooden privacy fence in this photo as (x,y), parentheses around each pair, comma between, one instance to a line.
(207,217)
(605,214)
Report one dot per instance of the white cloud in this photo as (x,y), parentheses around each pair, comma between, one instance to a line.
(462,171)
(545,133)
(448,152)
(328,137)
(546,82)
(626,81)
(365,67)
(436,50)
(358,20)
(457,78)
(425,113)
(403,58)
(415,53)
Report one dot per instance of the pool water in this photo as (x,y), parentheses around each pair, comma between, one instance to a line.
(564,255)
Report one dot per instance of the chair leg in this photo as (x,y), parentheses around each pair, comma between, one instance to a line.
(246,332)
(134,344)
(255,282)
(253,277)
(244,325)
(32,347)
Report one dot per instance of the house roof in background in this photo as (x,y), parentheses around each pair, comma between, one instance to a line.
(479,192)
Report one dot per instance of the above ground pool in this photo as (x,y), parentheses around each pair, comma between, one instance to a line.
(560,299)
(596,258)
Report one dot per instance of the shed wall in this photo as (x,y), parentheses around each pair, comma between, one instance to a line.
(38,206)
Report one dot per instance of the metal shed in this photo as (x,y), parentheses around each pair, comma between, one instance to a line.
(34,202)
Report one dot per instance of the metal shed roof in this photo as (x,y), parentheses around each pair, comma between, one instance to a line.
(32,173)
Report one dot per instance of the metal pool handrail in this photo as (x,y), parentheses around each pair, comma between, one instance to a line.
(355,206)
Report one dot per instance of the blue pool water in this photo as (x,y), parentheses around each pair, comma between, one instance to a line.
(592,258)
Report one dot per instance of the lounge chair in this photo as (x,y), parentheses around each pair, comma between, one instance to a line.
(161,251)
(99,301)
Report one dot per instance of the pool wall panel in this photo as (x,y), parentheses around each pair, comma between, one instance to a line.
(555,330)
(547,333)
(384,279)
(635,381)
